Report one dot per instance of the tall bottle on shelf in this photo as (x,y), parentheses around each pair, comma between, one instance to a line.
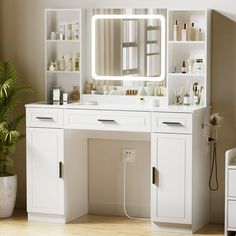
(176,31)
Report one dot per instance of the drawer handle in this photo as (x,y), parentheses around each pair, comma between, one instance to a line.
(60,169)
(104,120)
(44,118)
(171,123)
(153,175)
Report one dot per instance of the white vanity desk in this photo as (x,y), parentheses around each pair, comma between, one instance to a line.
(57,184)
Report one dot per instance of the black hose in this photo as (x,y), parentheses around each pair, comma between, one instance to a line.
(214,164)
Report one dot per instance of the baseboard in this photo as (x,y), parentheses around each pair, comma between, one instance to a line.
(217,216)
(117,209)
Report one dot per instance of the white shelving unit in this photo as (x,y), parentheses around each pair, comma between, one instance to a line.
(230,193)
(56,48)
(179,51)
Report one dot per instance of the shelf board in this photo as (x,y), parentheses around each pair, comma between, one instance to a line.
(62,41)
(187,42)
(185,75)
(151,27)
(129,44)
(232,167)
(151,42)
(63,72)
(231,198)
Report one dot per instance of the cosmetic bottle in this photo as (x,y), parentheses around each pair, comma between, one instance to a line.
(76,63)
(184,33)
(62,64)
(75,95)
(193,32)
(176,31)
(199,35)
(183,68)
(70,64)
(69,32)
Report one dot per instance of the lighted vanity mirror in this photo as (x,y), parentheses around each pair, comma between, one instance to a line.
(128,47)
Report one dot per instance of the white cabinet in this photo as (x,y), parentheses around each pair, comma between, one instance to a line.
(45,185)
(230,192)
(171,183)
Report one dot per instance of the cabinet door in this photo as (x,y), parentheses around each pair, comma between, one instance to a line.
(45,187)
(171,182)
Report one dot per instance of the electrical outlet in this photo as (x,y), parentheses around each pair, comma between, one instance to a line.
(128,155)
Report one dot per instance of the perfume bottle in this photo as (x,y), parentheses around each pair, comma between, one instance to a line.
(184,33)
(183,68)
(70,64)
(193,32)
(77,62)
(75,95)
(69,32)
(62,64)
(199,35)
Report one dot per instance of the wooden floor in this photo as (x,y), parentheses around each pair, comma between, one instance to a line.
(90,225)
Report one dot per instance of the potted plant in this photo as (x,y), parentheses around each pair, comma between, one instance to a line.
(10,97)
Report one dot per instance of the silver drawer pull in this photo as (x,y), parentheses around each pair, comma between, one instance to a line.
(171,123)
(44,118)
(104,120)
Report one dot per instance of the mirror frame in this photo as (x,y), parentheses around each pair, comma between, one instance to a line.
(132,17)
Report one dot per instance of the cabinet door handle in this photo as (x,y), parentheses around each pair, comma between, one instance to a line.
(60,169)
(153,175)
(104,120)
(44,118)
(171,123)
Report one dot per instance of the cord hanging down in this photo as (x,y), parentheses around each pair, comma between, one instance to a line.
(214,167)
(124,198)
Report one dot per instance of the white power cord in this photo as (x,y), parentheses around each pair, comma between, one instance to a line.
(124,202)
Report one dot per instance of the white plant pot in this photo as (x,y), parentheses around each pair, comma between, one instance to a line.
(8,188)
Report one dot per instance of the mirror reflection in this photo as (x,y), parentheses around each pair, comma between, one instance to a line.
(128,46)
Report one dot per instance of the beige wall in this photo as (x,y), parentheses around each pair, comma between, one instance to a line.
(22,42)
(223,97)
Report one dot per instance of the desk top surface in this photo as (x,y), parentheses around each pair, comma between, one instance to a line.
(118,107)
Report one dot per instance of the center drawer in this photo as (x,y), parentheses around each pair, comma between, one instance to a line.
(171,122)
(107,120)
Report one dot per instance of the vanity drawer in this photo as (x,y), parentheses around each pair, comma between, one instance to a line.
(231,214)
(44,117)
(107,120)
(232,183)
(171,123)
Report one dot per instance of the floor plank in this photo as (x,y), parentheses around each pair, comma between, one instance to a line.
(89,225)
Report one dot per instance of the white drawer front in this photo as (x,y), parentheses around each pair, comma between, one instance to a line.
(107,120)
(171,123)
(232,214)
(232,183)
(44,117)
